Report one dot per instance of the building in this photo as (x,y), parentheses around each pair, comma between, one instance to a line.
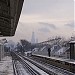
(33,38)
(66,54)
(36,40)
(10,11)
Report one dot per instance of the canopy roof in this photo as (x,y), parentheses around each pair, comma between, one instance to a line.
(10,11)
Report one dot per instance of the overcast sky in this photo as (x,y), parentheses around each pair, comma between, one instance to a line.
(46,18)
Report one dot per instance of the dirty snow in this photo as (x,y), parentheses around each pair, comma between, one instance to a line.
(6,66)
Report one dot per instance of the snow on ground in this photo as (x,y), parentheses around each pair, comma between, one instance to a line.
(6,66)
(21,69)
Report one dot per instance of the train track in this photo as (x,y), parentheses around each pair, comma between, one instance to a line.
(56,69)
(30,70)
(29,67)
(47,68)
(41,67)
(14,68)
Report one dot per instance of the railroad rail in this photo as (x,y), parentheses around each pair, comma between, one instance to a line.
(50,68)
(62,65)
(42,65)
(31,70)
(29,66)
(14,68)
(18,71)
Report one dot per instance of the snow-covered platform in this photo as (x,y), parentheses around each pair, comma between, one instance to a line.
(6,66)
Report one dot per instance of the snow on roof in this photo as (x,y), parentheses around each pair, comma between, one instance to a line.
(72,42)
(28,52)
(43,48)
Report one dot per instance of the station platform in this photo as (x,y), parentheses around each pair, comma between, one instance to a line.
(6,66)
